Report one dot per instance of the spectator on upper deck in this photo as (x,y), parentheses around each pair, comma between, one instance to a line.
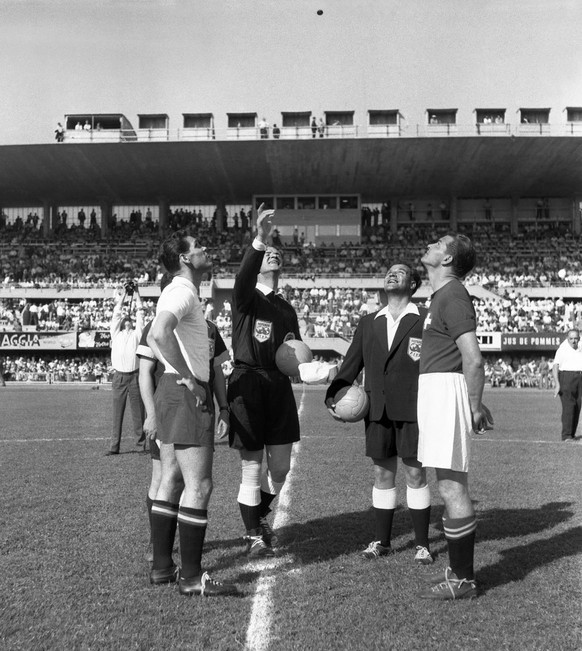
(264,129)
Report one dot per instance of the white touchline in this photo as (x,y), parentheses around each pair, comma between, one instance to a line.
(57,440)
(258,631)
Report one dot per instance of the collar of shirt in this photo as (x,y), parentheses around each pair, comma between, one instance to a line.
(392,324)
(180,280)
(411,308)
(264,289)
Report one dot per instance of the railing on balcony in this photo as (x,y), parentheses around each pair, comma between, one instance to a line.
(443,130)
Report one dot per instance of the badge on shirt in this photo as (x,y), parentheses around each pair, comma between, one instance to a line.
(211,347)
(414,345)
(262,330)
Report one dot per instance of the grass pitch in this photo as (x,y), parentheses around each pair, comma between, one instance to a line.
(73,531)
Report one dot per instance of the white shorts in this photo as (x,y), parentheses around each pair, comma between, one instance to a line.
(444,421)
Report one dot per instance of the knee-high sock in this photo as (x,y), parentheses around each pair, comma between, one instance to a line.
(460,535)
(164,522)
(418,501)
(249,501)
(193,523)
(269,491)
(149,503)
(384,502)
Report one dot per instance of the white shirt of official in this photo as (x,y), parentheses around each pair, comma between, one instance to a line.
(392,324)
(568,358)
(124,343)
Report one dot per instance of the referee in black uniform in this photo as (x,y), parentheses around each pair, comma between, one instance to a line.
(263,412)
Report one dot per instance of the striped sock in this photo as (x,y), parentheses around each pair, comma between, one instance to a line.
(193,523)
(460,535)
(164,522)
(149,503)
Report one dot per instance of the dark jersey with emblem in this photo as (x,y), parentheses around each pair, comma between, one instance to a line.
(450,315)
(217,351)
(260,323)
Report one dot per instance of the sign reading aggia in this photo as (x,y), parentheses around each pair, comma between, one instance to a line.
(38,340)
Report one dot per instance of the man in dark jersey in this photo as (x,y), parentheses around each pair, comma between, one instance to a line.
(450,391)
(263,413)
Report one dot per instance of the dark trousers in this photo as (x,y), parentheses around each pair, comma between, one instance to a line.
(571,397)
(124,386)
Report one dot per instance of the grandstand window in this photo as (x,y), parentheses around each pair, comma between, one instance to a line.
(574,114)
(268,201)
(151,121)
(339,118)
(285,203)
(534,116)
(382,118)
(105,121)
(305,203)
(348,203)
(241,120)
(442,116)
(198,120)
(327,203)
(490,116)
(296,119)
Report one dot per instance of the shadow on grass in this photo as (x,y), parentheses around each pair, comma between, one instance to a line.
(517,562)
(346,533)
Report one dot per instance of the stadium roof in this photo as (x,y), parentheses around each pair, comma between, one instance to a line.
(203,172)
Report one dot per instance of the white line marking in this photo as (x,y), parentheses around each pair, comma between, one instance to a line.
(258,631)
(59,440)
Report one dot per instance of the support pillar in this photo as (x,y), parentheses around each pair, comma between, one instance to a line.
(453,214)
(54,219)
(220,215)
(163,216)
(48,210)
(577,215)
(393,215)
(106,214)
(514,215)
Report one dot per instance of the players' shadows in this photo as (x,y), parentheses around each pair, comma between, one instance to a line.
(324,539)
(518,561)
(347,533)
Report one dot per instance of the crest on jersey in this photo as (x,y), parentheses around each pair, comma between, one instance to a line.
(262,330)
(211,345)
(414,345)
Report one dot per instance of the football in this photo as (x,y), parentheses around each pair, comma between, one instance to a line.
(351,403)
(290,354)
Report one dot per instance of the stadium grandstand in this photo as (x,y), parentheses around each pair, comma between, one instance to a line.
(80,217)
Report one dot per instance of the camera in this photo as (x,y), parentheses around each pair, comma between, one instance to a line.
(130,287)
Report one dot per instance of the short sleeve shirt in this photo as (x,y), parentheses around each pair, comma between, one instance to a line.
(568,358)
(181,299)
(450,315)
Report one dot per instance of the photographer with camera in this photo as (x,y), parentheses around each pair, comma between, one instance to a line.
(124,384)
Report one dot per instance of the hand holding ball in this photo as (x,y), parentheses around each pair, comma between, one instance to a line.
(290,354)
(351,404)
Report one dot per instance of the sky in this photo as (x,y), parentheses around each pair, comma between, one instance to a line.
(266,56)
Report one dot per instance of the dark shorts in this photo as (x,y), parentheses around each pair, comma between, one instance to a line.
(389,438)
(154,450)
(180,421)
(262,410)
